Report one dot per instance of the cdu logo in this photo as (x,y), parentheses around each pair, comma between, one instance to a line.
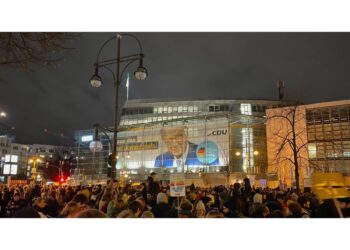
(218,132)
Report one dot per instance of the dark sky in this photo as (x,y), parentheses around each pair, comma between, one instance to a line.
(314,66)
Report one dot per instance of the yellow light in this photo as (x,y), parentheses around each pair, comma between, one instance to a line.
(126,176)
(128,156)
(31,161)
(256,152)
(238,153)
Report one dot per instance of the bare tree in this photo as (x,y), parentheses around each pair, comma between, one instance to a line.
(20,49)
(289,134)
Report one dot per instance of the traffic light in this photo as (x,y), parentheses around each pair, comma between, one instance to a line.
(61,179)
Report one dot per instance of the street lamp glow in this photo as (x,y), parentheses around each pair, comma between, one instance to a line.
(238,153)
(256,152)
(96,81)
(3,114)
(140,73)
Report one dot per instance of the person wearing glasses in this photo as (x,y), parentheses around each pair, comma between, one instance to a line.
(180,151)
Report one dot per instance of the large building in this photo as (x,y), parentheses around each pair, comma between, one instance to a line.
(15,158)
(181,136)
(322,136)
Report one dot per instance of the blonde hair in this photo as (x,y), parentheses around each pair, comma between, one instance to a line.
(70,209)
(147,214)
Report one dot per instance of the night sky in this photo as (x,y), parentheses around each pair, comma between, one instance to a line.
(314,66)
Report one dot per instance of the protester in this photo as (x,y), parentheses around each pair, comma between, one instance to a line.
(150,200)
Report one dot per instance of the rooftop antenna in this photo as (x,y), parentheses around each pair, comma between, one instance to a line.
(280,86)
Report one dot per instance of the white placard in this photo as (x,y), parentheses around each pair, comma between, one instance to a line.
(177,185)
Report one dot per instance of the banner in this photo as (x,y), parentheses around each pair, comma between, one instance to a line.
(187,146)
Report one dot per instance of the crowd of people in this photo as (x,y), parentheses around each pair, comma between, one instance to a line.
(151,199)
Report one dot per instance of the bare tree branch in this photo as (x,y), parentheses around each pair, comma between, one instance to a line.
(27,49)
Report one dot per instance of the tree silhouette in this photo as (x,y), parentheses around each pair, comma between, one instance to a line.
(21,49)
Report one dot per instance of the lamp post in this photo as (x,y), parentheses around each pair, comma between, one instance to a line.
(120,61)
(34,160)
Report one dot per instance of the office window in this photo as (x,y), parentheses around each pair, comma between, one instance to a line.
(343,114)
(180,109)
(325,115)
(246,108)
(195,108)
(190,108)
(214,108)
(170,109)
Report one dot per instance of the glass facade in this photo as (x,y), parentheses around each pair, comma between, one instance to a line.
(328,131)
(205,136)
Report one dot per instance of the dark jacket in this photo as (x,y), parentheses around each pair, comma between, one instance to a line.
(153,186)
(14,206)
(162,210)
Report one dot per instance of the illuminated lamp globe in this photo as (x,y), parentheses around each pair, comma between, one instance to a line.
(141,73)
(96,81)
(95,146)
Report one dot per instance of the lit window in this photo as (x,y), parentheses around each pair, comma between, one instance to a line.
(7,168)
(184,108)
(180,109)
(7,158)
(190,109)
(246,108)
(170,109)
(14,169)
(312,150)
(160,110)
(195,108)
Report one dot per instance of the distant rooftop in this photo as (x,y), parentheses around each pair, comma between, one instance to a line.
(160,100)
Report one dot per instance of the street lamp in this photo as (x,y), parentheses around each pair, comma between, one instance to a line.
(3,114)
(96,80)
(34,160)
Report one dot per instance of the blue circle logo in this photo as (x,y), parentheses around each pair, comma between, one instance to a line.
(207,152)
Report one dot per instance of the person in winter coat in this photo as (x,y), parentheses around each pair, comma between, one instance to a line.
(15,204)
(162,209)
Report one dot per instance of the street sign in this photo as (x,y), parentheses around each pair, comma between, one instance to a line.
(177,185)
